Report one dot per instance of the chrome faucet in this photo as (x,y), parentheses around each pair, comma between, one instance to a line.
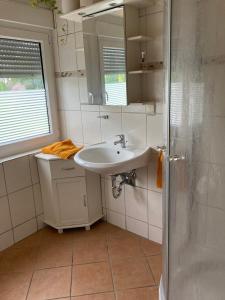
(121,140)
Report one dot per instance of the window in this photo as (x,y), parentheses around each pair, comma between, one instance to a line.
(27,92)
(23,102)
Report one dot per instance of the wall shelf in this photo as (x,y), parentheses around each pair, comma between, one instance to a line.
(136,72)
(139,38)
(79,49)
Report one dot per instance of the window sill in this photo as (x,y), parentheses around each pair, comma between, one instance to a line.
(8,158)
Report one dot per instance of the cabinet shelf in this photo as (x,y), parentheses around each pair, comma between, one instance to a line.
(139,38)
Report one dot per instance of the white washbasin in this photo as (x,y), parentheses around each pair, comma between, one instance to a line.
(108,159)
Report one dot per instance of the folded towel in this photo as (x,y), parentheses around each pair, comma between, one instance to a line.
(159,179)
(64,149)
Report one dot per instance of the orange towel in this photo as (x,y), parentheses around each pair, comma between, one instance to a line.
(64,149)
(159,180)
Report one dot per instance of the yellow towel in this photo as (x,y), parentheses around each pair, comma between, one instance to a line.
(64,149)
(159,179)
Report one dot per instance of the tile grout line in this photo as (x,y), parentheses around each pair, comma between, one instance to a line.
(150,269)
(30,285)
(110,265)
(7,196)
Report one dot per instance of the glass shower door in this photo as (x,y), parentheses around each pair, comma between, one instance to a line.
(196,193)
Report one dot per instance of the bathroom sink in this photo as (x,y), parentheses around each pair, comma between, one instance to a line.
(108,159)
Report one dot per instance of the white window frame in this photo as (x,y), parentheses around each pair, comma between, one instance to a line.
(49,76)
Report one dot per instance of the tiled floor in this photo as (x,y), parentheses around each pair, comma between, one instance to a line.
(106,263)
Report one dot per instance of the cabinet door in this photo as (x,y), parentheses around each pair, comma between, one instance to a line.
(71,194)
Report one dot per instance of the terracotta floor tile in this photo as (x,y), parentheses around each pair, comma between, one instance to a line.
(50,283)
(131,273)
(124,248)
(149,293)
(33,240)
(91,278)
(50,235)
(118,233)
(155,263)
(104,296)
(54,255)
(14,286)
(20,259)
(89,251)
(150,248)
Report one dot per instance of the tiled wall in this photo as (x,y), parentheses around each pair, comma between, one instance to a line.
(21,206)
(138,209)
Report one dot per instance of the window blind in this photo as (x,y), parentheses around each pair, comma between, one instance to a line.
(23,101)
(114,60)
(114,64)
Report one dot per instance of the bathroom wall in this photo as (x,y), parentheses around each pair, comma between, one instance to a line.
(20,200)
(21,207)
(138,209)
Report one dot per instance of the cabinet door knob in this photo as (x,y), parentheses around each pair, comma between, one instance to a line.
(68,169)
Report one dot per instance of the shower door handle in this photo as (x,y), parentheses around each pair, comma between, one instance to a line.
(176,157)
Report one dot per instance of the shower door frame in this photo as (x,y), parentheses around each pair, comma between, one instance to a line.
(164,284)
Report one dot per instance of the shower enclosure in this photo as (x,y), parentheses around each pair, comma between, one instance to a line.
(194,206)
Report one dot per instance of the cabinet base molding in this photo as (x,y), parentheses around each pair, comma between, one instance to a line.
(60,229)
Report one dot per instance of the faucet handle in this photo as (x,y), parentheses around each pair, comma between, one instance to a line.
(122,136)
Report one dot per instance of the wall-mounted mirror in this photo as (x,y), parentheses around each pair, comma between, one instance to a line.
(105,56)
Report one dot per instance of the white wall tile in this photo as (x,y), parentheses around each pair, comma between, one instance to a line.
(79,40)
(215,228)
(91,127)
(22,206)
(155,130)
(80,60)
(5,219)
(142,177)
(63,127)
(78,27)
(68,93)
(217,140)
(155,234)
(116,219)
(134,127)
(83,90)
(6,240)
(111,126)
(17,174)
(117,205)
(24,230)
(34,169)
(63,26)
(56,51)
(87,107)
(74,126)
(103,192)
(216,187)
(136,203)
(67,55)
(155,208)
(40,223)
(2,182)
(38,199)
(137,227)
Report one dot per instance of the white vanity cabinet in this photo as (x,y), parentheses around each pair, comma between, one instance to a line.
(71,195)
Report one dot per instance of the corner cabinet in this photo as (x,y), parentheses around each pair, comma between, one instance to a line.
(71,196)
